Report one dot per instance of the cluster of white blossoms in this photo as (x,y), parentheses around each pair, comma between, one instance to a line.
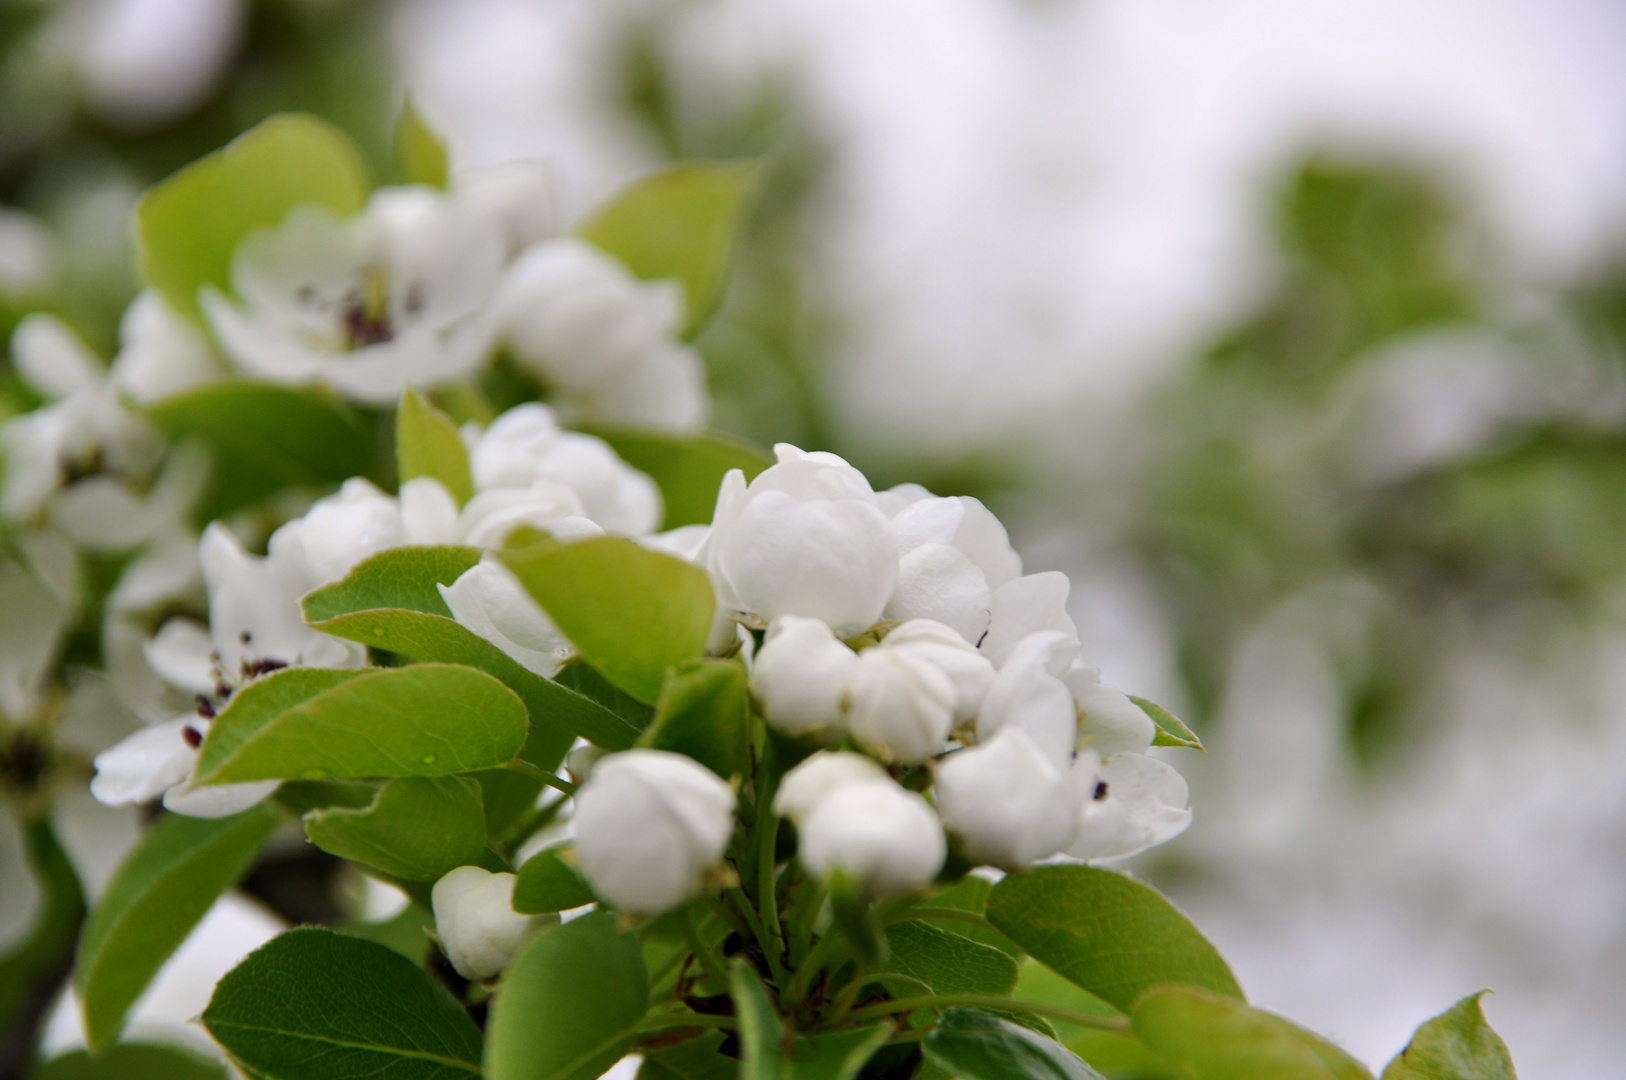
(944,685)
(527,471)
(423,286)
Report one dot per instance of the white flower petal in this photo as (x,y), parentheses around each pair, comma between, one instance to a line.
(146,764)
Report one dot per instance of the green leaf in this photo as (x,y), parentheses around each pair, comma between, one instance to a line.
(1109,933)
(680,224)
(131,1061)
(263,438)
(159,893)
(570,1003)
(692,1059)
(705,713)
(313,1004)
(548,883)
(689,469)
(188,226)
(1111,1052)
(974,1045)
(948,963)
(427,444)
(1208,1037)
(31,970)
(836,1056)
(403,577)
(631,612)
(418,828)
(1456,1045)
(558,712)
(970,893)
(318,723)
(420,155)
(1171,731)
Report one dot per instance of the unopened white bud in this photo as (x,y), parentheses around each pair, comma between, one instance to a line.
(969,671)
(1008,802)
(902,705)
(801,675)
(651,827)
(887,838)
(809,783)
(476,922)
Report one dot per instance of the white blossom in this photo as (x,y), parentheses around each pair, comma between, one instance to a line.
(802,675)
(39,592)
(953,554)
(939,645)
(336,533)
(818,776)
(158,760)
(526,445)
(476,922)
(903,705)
(651,828)
(1029,694)
(1109,723)
(605,343)
(515,197)
(490,601)
(804,538)
(395,296)
(1138,802)
(887,838)
(1024,606)
(160,353)
(1008,801)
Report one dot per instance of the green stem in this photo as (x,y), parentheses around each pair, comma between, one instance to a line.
(952,914)
(685,1020)
(990,1001)
(742,903)
(825,949)
(536,772)
(707,955)
(767,880)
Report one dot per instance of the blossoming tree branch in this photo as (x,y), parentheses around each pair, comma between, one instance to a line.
(395,522)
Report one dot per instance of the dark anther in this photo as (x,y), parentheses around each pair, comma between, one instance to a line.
(193,737)
(982,639)
(1100,790)
(206,708)
(245,637)
(264,666)
(365,328)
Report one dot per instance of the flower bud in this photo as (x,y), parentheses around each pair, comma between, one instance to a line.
(902,705)
(1024,606)
(967,669)
(1027,694)
(887,838)
(803,538)
(801,676)
(952,554)
(476,922)
(1137,802)
(651,827)
(1008,802)
(807,785)
(340,531)
(490,601)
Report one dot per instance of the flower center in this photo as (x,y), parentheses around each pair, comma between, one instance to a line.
(367,311)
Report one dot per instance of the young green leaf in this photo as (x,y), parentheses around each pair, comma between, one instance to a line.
(263,438)
(691,1059)
(1109,933)
(1110,1052)
(316,724)
(418,828)
(403,577)
(1171,731)
(548,883)
(318,1005)
(558,711)
(949,963)
(975,1045)
(131,1061)
(189,226)
(47,945)
(1208,1037)
(705,713)
(1456,1045)
(688,468)
(852,915)
(970,893)
(570,1003)
(631,612)
(679,224)
(836,1056)
(420,155)
(427,443)
(157,895)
